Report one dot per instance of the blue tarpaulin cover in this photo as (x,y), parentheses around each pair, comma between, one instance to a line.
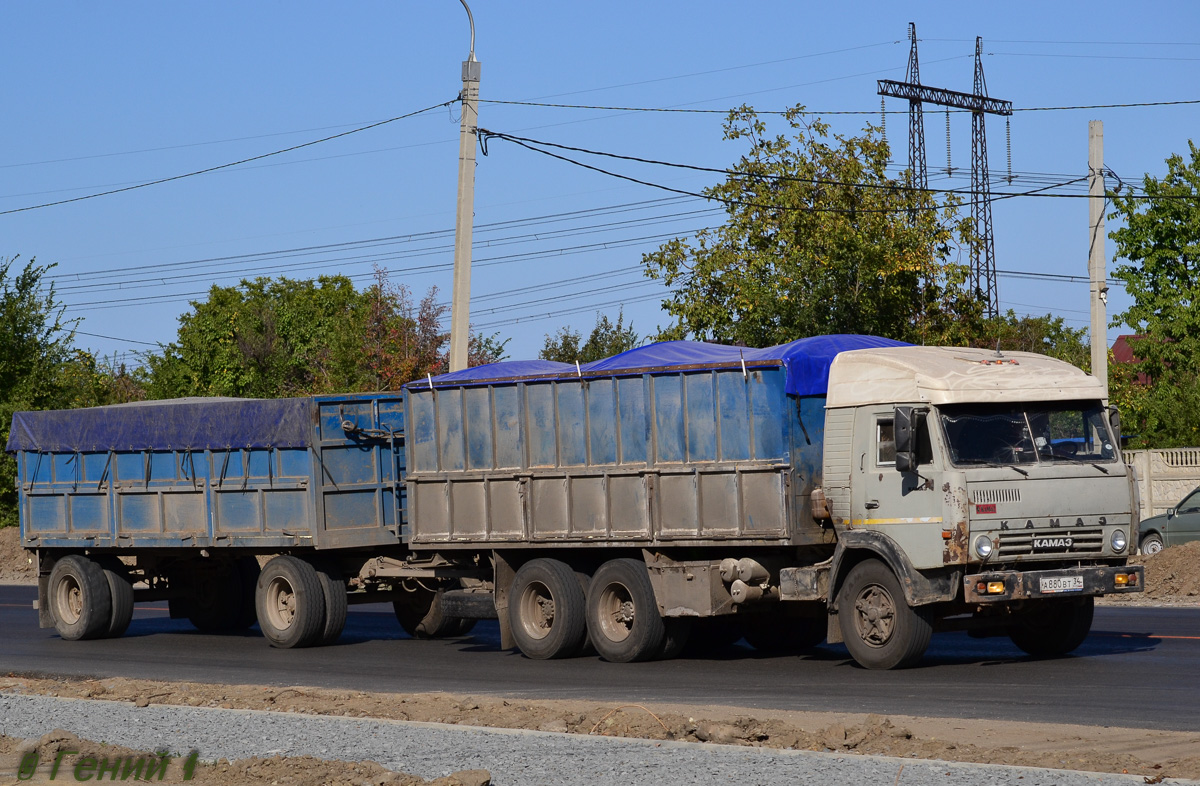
(807,362)
(180,424)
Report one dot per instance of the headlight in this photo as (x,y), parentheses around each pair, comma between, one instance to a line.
(1118,540)
(983,546)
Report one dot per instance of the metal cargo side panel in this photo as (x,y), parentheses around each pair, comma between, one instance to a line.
(691,455)
(359,464)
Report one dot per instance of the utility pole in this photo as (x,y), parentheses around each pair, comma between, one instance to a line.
(460,300)
(1097,264)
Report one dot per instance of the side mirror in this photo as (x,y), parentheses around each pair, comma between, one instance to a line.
(904,428)
(1170,513)
(1114,420)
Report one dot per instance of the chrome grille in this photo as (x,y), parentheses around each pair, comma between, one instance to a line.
(1019,542)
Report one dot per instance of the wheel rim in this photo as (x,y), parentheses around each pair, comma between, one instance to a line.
(68,600)
(536,606)
(281,603)
(874,615)
(1152,546)
(617,612)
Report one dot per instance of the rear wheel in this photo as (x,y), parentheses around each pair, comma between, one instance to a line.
(880,629)
(80,599)
(1152,543)
(1055,629)
(290,603)
(548,610)
(622,614)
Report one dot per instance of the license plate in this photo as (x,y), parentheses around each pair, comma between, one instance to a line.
(1052,584)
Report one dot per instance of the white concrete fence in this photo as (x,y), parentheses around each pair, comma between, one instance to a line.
(1164,476)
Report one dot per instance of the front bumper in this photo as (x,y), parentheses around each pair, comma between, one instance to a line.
(1059,583)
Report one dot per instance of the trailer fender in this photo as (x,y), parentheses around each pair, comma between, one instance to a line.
(920,588)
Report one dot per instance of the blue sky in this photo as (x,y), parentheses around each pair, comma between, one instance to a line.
(105,95)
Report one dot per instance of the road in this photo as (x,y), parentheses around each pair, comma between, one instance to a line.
(1137,669)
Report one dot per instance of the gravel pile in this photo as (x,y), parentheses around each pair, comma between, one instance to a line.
(513,757)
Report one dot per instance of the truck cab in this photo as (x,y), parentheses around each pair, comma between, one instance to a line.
(991,483)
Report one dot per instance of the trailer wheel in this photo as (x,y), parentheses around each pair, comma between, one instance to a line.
(248,570)
(548,610)
(121,591)
(219,593)
(1057,628)
(622,614)
(419,612)
(80,600)
(290,603)
(333,588)
(880,629)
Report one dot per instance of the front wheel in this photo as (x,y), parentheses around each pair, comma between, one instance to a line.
(880,629)
(1152,543)
(1054,628)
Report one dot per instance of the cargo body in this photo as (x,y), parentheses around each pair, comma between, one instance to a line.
(845,488)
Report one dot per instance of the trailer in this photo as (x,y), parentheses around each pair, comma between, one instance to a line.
(840,488)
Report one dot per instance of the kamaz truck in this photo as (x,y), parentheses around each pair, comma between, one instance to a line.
(837,488)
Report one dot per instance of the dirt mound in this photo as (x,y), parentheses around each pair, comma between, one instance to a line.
(39,761)
(16,564)
(1172,576)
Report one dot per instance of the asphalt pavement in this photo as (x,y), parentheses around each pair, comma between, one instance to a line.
(1137,668)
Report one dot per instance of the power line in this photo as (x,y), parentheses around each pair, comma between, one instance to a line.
(231,164)
(870,112)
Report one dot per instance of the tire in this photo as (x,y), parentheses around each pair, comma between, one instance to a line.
(419,612)
(547,610)
(678,630)
(290,603)
(1151,544)
(215,594)
(1055,629)
(121,591)
(711,635)
(333,588)
(622,614)
(80,600)
(880,629)
(784,633)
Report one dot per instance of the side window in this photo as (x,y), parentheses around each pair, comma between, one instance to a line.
(1191,503)
(885,443)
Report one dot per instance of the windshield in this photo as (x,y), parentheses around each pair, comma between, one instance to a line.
(1048,433)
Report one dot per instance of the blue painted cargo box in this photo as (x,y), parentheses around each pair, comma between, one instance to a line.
(324,472)
(677,442)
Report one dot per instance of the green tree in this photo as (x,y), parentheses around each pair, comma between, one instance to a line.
(35,341)
(266,338)
(606,339)
(819,239)
(1160,243)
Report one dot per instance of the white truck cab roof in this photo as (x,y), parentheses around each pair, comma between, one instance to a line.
(952,375)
